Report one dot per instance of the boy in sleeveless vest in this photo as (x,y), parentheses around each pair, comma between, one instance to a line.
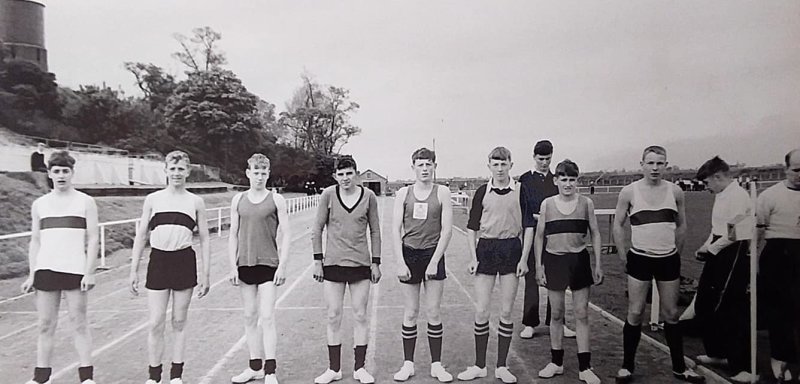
(62,254)
(346,209)
(498,215)
(722,302)
(422,224)
(170,216)
(563,261)
(778,210)
(658,229)
(257,265)
(541,184)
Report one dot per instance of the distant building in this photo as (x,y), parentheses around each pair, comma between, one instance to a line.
(22,30)
(374,181)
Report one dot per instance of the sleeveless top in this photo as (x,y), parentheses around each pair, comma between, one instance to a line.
(62,231)
(501,217)
(258,229)
(422,219)
(566,233)
(172,224)
(653,225)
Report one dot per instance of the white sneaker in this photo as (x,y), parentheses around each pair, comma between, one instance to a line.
(176,380)
(87,381)
(328,376)
(527,332)
(550,370)
(744,377)
(363,376)
(437,371)
(35,382)
(708,360)
(472,373)
(588,376)
(247,375)
(504,375)
(270,379)
(405,372)
(149,381)
(568,333)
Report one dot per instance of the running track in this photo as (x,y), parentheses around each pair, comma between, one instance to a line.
(215,348)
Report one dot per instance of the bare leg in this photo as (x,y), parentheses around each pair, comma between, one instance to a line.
(266,293)
(580,306)
(157,301)
(334,297)
(77,304)
(557,308)
(359,298)
(253,333)
(47,304)
(180,312)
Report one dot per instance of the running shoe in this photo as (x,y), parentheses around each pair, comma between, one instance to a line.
(624,376)
(363,376)
(588,376)
(176,380)
(247,375)
(87,381)
(744,377)
(689,376)
(405,372)
(438,371)
(568,333)
(708,360)
(472,373)
(151,381)
(328,376)
(504,375)
(527,332)
(35,382)
(270,379)
(550,370)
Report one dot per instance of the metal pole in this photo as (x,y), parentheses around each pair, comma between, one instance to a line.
(103,247)
(753,285)
(219,222)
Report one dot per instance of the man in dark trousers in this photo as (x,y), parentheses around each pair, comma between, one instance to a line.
(38,164)
(539,180)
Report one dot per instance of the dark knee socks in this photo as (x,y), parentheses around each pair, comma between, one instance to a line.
(584,361)
(154,373)
(41,375)
(176,371)
(631,334)
(435,332)
(85,373)
(504,332)
(481,340)
(361,356)
(335,357)
(269,366)
(409,342)
(672,333)
(557,357)
(256,364)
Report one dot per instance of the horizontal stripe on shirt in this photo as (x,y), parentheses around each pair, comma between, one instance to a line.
(566,226)
(76,222)
(665,215)
(173,218)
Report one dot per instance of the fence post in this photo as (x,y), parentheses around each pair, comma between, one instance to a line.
(102,247)
(219,222)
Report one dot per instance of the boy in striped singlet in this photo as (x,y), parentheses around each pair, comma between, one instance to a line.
(422,224)
(345,210)
(499,214)
(62,254)
(658,229)
(170,216)
(564,262)
(257,265)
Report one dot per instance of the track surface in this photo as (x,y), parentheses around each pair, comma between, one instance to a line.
(215,348)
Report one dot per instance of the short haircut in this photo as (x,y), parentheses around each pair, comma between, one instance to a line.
(657,149)
(500,153)
(567,168)
(61,159)
(711,168)
(176,157)
(789,155)
(345,162)
(543,148)
(423,154)
(258,161)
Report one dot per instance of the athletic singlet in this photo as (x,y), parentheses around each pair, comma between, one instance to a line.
(172,223)
(566,233)
(62,234)
(653,225)
(258,228)
(422,219)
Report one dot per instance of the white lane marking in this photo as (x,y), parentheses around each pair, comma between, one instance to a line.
(206,379)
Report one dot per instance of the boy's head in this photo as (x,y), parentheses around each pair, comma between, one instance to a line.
(566,177)
(654,162)
(257,170)
(500,163)
(714,173)
(60,169)
(176,157)
(345,171)
(177,167)
(543,155)
(61,159)
(423,162)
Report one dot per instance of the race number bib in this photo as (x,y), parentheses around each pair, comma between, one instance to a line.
(421,211)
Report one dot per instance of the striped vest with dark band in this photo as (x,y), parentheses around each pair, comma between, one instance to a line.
(62,234)
(172,224)
(566,233)
(653,225)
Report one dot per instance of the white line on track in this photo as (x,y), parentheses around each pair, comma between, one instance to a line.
(206,379)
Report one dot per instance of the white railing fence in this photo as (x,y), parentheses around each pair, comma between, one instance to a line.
(294,205)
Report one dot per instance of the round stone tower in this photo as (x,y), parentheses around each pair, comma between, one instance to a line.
(22,30)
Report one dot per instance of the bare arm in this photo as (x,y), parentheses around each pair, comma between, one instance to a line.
(33,248)
(447,225)
(139,243)
(397,225)
(92,237)
(233,238)
(680,231)
(597,241)
(205,251)
(620,215)
(538,244)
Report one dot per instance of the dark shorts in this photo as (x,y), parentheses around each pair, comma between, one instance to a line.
(573,270)
(47,280)
(176,270)
(417,261)
(645,268)
(339,274)
(498,256)
(256,274)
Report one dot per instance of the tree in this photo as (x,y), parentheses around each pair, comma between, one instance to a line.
(213,112)
(155,84)
(319,118)
(199,52)
(35,89)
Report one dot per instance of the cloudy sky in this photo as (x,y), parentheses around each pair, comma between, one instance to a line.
(601,79)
